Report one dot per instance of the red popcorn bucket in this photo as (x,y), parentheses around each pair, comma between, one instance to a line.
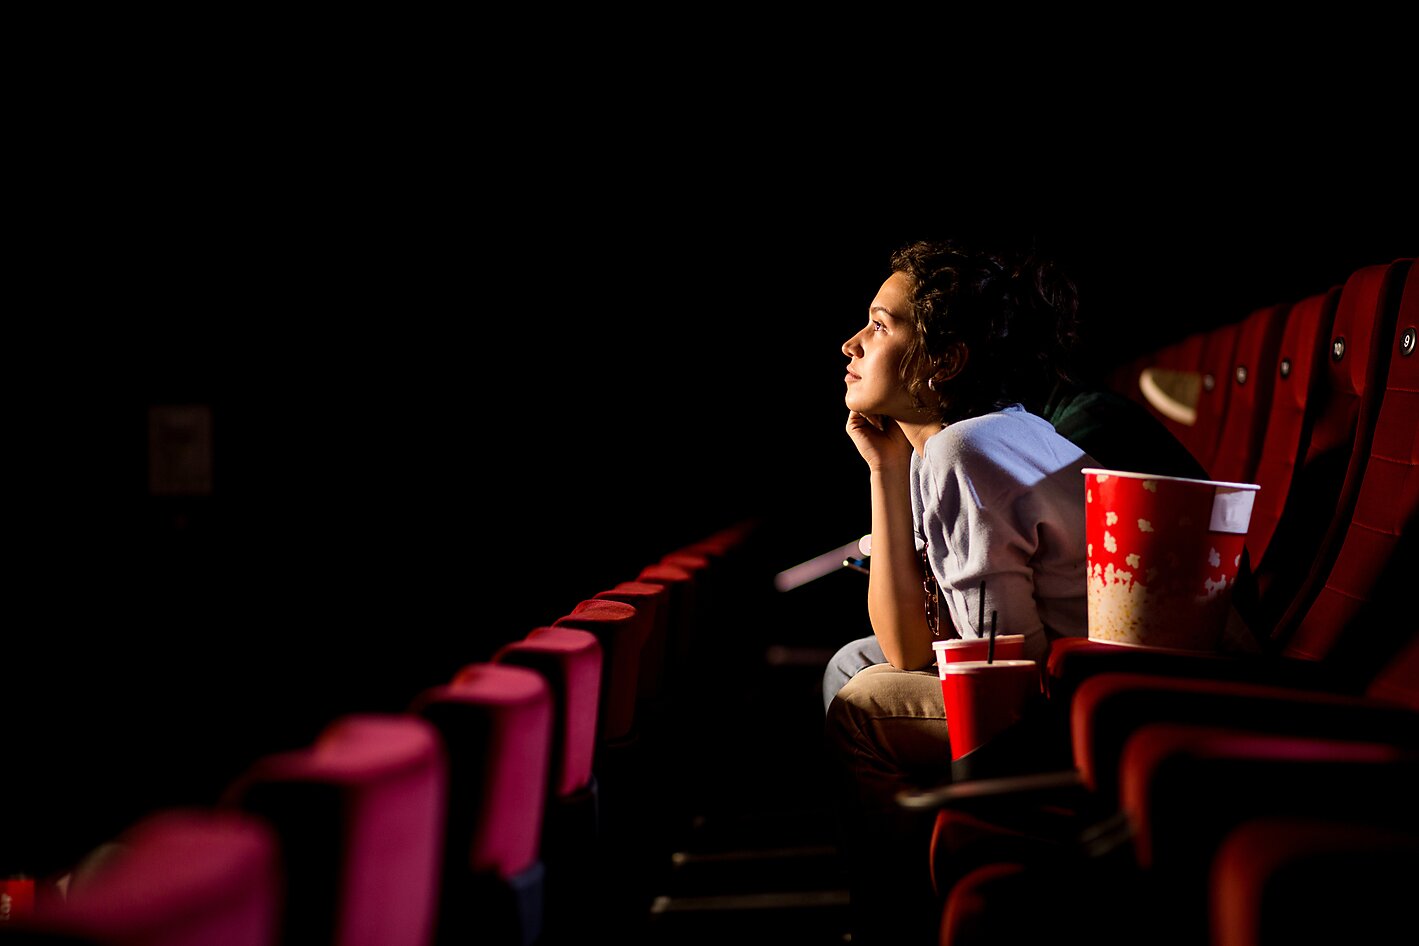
(1163,553)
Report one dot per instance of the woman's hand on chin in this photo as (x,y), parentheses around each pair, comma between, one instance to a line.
(880,441)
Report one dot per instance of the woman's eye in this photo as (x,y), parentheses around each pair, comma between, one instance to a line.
(878,326)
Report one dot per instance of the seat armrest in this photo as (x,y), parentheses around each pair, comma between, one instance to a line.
(984,795)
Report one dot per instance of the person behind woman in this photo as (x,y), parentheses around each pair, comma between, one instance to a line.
(969,489)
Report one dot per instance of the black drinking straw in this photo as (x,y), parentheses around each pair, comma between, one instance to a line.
(980,608)
(990,648)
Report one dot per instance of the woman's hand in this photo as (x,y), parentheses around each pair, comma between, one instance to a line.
(880,441)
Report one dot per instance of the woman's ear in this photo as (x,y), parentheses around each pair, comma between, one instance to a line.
(952,362)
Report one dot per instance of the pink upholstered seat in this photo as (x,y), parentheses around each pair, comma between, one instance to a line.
(570,661)
(496,724)
(181,877)
(652,603)
(620,629)
(680,624)
(360,814)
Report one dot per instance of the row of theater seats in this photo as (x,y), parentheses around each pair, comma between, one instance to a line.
(1234,799)
(507,805)
(1313,401)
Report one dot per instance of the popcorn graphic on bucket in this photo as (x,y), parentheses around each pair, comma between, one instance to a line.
(1163,553)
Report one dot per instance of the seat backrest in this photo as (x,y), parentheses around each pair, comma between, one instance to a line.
(180,877)
(1387,500)
(1107,709)
(496,724)
(1297,879)
(360,815)
(1398,681)
(652,603)
(1219,347)
(1337,448)
(727,542)
(682,608)
(619,629)
(1184,787)
(1250,383)
(570,661)
(1303,344)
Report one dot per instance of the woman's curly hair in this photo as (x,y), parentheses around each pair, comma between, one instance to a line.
(1017,317)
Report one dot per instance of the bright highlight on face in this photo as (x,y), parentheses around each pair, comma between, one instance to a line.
(875,353)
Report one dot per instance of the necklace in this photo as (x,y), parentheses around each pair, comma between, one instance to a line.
(933,595)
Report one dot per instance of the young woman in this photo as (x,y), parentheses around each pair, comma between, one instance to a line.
(968,489)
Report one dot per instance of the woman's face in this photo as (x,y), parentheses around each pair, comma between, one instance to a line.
(875,353)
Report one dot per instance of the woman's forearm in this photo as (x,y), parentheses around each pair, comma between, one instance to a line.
(895,598)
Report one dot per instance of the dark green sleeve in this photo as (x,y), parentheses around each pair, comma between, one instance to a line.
(1119,433)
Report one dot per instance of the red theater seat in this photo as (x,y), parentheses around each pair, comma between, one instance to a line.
(681,609)
(1219,346)
(496,724)
(1304,343)
(620,630)
(1322,879)
(1182,789)
(701,593)
(360,817)
(1387,497)
(1250,382)
(1341,413)
(652,603)
(726,543)
(1028,817)
(183,877)
(570,661)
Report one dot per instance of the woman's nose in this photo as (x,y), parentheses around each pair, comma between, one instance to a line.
(852,347)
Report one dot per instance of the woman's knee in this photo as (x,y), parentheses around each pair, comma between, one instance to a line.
(850,659)
(877,695)
(890,724)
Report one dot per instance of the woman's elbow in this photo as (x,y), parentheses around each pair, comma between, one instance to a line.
(909,659)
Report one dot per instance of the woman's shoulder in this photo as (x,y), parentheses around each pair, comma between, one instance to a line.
(1011,437)
(1006,429)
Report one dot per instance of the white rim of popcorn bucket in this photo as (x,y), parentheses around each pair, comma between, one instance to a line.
(1129,474)
(1180,651)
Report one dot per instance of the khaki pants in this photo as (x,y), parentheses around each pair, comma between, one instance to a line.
(886,729)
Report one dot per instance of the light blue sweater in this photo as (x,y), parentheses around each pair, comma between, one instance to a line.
(999,498)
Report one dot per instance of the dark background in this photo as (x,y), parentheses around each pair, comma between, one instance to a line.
(462,381)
